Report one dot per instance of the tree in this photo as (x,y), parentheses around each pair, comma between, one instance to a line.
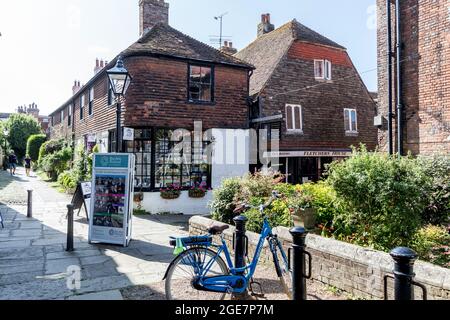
(34,143)
(21,127)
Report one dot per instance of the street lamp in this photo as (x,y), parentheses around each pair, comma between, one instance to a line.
(5,134)
(119,79)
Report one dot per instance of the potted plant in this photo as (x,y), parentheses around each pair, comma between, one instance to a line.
(303,211)
(198,190)
(171,192)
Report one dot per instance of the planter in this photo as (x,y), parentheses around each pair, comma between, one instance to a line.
(305,218)
(138,197)
(170,195)
(197,194)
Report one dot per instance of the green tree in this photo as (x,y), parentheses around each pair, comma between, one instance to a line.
(21,127)
(34,143)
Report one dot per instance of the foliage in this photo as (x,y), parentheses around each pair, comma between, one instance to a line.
(380,197)
(222,205)
(90,160)
(34,144)
(21,127)
(172,191)
(56,163)
(278,214)
(199,190)
(432,243)
(68,181)
(50,147)
(258,184)
(437,168)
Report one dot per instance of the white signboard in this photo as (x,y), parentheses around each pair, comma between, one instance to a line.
(128,134)
(111,201)
(91,138)
(308,154)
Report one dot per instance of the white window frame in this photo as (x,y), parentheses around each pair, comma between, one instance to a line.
(62,116)
(294,107)
(70,115)
(322,62)
(327,69)
(352,130)
(91,102)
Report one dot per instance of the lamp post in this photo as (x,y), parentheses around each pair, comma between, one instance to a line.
(120,80)
(5,134)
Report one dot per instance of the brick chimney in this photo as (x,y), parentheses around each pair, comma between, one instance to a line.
(152,12)
(33,110)
(228,48)
(76,87)
(265,26)
(99,65)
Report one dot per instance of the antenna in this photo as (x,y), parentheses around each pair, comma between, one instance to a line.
(220,17)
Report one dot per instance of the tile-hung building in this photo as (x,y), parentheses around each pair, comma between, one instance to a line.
(177,81)
(424,96)
(306,89)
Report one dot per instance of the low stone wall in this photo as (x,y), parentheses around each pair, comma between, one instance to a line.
(356,270)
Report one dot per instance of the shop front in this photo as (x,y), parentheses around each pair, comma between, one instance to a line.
(305,166)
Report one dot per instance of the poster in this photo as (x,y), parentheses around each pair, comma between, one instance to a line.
(111,199)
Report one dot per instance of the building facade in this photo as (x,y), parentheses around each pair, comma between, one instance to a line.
(179,84)
(307,91)
(424,71)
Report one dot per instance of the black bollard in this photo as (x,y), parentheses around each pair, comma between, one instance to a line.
(70,210)
(404,259)
(299,275)
(30,204)
(240,241)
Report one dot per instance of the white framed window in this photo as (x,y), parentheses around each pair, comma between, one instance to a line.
(91,101)
(62,116)
(327,70)
(294,118)
(351,120)
(82,107)
(322,69)
(319,66)
(69,117)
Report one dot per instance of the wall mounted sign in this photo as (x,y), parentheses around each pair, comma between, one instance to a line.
(111,201)
(128,134)
(308,154)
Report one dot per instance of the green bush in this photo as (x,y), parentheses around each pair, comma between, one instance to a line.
(21,127)
(56,163)
(68,181)
(278,214)
(50,147)
(432,243)
(222,205)
(323,200)
(381,199)
(34,143)
(437,168)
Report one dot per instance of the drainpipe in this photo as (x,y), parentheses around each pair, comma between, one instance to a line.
(399,79)
(389,71)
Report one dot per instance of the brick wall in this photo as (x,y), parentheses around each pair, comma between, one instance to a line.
(322,102)
(353,269)
(426,70)
(158,96)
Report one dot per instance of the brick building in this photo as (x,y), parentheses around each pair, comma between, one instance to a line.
(177,81)
(306,88)
(425,74)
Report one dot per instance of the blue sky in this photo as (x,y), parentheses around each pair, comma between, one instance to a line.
(47,44)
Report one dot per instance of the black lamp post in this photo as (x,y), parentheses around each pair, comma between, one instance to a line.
(120,80)
(5,134)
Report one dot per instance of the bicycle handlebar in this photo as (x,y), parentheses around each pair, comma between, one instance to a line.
(275,196)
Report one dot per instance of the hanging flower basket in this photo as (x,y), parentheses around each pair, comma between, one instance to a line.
(197,193)
(170,193)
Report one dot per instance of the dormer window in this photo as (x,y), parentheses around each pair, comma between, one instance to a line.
(322,69)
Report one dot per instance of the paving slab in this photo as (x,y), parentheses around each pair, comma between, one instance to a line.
(60,265)
(113,295)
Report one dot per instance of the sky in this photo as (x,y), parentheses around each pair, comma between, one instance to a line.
(45,45)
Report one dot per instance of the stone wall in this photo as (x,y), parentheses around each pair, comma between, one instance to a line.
(356,270)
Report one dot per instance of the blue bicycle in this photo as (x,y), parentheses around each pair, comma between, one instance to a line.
(200,273)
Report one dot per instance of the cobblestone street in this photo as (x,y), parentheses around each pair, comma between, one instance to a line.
(33,260)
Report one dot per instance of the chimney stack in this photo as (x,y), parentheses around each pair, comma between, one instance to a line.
(151,13)
(265,26)
(98,66)
(76,87)
(228,48)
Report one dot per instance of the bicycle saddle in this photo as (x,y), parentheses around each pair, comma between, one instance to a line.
(215,230)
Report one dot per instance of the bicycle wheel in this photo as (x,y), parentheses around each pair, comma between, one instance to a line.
(186,269)
(282,267)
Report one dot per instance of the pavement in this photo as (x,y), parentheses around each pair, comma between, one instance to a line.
(35,266)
